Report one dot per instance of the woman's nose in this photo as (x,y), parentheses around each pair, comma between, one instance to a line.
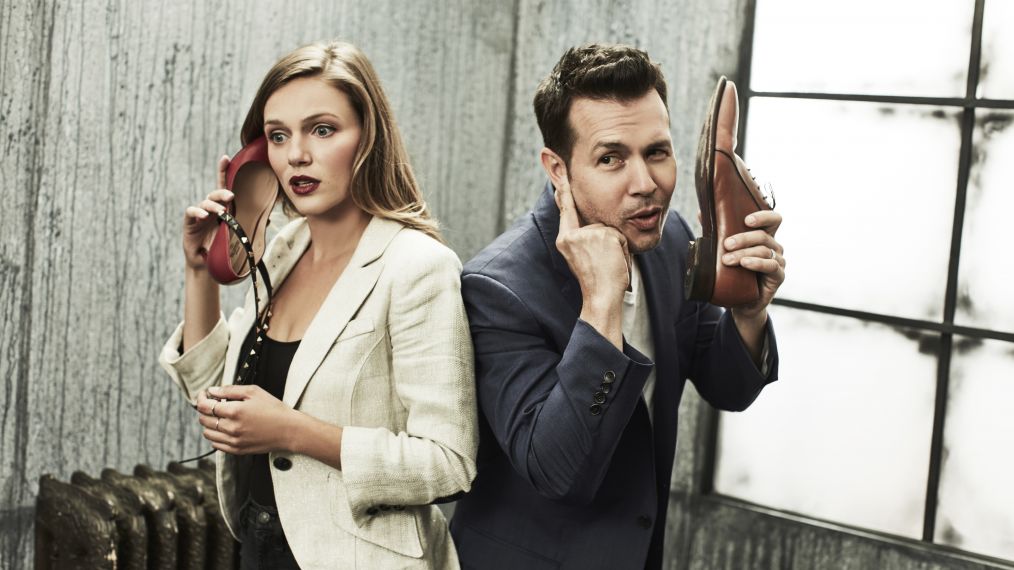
(298,154)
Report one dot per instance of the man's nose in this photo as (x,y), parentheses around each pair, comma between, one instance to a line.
(641,181)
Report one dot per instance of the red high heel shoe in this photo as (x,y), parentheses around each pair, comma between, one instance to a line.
(239,242)
(726,194)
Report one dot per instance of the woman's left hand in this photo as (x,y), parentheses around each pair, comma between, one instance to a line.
(244,420)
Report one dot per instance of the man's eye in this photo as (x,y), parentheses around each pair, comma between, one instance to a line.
(323,130)
(608,160)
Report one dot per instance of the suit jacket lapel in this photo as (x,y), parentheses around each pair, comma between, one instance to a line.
(658,286)
(346,296)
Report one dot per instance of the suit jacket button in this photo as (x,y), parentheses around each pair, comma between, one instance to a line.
(644,521)
(599,397)
(282,463)
(609,377)
(595,409)
(372,511)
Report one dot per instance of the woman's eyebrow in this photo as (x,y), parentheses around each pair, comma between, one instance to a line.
(310,119)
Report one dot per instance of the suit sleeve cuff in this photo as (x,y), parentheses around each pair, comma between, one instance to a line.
(598,375)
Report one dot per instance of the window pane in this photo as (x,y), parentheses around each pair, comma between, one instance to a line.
(996,79)
(862,46)
(976,508)
(986,274)
(844,434)
(867,192)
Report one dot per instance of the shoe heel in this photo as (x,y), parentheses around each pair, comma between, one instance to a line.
(699,281)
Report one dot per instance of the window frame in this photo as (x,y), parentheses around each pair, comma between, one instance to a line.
(946,329)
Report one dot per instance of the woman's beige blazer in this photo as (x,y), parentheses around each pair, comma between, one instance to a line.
(389,358)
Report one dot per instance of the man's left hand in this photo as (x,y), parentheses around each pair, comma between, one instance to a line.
(758,251)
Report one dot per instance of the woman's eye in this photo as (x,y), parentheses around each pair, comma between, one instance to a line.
(276,138)
(323,130)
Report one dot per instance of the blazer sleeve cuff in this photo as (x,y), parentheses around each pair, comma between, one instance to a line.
(381,469)
(598,376)
(768,371)
(359,452)
(199,367)
(367,454)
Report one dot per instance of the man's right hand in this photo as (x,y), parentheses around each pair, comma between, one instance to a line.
(597,255)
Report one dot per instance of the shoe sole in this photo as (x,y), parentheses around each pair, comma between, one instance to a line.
(699,282)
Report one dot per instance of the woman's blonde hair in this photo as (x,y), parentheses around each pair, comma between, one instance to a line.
(382,180)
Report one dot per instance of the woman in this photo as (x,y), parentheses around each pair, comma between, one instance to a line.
(361,411)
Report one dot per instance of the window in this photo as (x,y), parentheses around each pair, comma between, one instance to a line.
(886,128)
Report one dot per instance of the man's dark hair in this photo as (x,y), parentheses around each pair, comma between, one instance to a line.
(596,71)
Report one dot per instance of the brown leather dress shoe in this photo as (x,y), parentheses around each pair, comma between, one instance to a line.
(726,194)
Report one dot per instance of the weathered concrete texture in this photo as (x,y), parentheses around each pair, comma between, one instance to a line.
(727,536)
(450,88)
(24,38)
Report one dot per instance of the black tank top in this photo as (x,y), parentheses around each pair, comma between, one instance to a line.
(272,367)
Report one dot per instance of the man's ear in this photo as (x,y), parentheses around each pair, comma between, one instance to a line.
(554,166)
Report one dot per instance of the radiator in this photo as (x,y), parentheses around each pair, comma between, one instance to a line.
(151,520)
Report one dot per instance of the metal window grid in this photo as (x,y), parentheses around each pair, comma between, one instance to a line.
(946,329)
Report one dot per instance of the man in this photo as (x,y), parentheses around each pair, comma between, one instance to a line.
(583,340)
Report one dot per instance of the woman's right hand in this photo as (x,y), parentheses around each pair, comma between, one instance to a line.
(200,221)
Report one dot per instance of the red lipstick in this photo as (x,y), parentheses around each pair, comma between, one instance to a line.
(303,185)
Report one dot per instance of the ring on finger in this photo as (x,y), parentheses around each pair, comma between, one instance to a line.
(773,255)
(218,421)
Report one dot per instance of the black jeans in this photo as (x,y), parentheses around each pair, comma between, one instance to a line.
(263,542)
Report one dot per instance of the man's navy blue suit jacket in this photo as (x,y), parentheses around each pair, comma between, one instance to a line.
(563,483)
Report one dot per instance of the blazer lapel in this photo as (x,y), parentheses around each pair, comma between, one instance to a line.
(346,296)
(660,293)
(280,258)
